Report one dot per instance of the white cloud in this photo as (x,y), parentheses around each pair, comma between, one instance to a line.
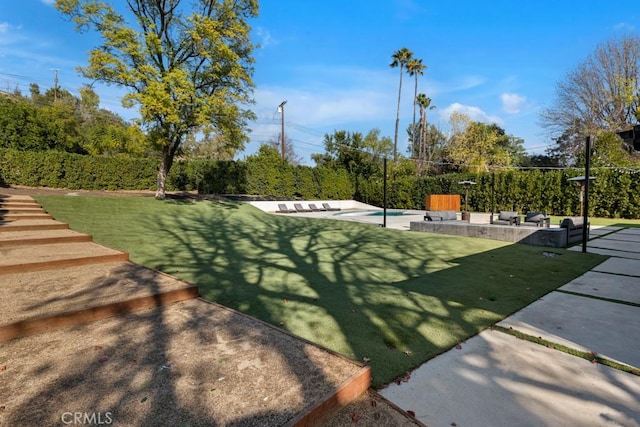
(456,85)
(328,96)
(324,108)
(4,27)
(623,26)
(475,113)
(49,2)
(512,102)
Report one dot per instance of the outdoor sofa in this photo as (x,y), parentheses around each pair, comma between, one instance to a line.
(440,216)
(536,219)
(574,226)
(507,218)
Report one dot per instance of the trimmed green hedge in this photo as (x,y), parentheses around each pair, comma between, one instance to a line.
(258,175)
(73,171)
(613,194)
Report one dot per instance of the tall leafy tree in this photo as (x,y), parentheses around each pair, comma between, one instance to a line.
(356,153)
(479,146)
(599,94)
(186,64)
(400,58)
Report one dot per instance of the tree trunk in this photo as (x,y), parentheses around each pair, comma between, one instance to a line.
(163,171)
(168,151)
(395,139)
(415,102)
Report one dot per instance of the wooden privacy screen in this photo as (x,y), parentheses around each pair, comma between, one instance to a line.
(442,202)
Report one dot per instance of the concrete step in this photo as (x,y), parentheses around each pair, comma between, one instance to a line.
(31,224)
(16,259)
(42,237)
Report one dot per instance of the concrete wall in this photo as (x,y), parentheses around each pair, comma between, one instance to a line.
(551,237)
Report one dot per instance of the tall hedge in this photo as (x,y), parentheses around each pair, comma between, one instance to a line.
(261,175)
(73,171)
(615,193)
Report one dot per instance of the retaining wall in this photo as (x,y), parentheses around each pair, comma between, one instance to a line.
(551,237)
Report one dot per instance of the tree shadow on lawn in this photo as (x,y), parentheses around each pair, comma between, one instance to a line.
(391,298)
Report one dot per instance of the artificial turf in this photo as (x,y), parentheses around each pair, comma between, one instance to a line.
(393,298)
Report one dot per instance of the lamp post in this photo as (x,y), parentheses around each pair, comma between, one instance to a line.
(384,194)
(584,192)
(493,200)
(466,215)
(587,170)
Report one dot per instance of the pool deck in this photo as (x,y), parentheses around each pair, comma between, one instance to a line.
(413,220)
(350,210)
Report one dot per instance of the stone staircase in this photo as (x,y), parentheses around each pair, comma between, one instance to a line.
(70,307)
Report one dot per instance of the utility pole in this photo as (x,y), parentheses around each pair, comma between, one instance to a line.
(55,84)
(281,110)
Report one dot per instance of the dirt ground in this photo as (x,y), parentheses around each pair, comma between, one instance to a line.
(191,363)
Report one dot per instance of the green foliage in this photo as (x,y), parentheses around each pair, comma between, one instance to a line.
(613,194)
(479,147)
(269,175)
(186,64)
(73,171)
(216,177)
(67,124)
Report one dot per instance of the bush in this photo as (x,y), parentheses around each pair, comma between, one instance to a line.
(613,193)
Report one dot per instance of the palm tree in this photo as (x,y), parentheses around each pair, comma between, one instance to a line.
(415,68)
(400,59)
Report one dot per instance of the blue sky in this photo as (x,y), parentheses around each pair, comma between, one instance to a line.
(497,61)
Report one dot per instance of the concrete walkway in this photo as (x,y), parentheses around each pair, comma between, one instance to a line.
(495,379)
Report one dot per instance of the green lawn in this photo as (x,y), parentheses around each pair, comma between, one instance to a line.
(394,297)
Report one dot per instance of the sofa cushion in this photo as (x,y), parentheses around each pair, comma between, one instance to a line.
(434,216)
(534,217)
(572,222)
(507,215)
(449,215)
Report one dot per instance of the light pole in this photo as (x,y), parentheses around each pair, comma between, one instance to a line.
(281,110)
(583,181)
(384,194)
